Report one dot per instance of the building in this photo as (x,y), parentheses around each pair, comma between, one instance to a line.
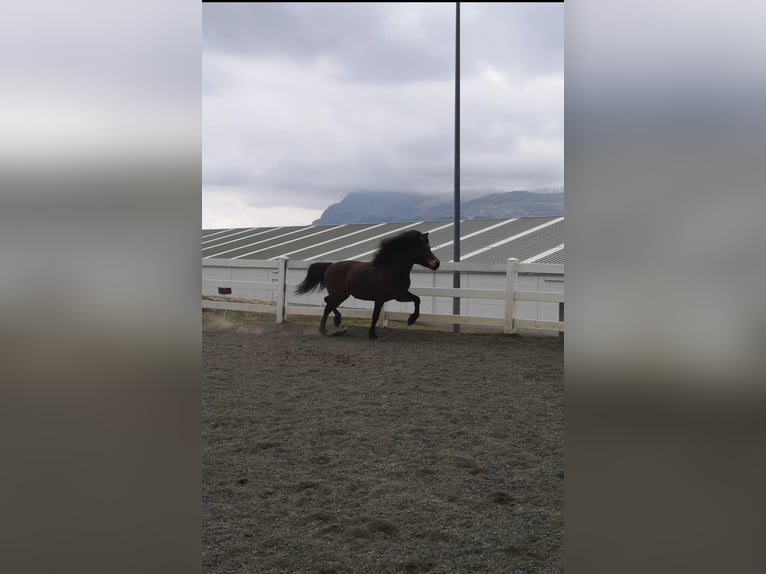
(230,256)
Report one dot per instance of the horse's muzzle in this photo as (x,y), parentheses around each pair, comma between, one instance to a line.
(433,263)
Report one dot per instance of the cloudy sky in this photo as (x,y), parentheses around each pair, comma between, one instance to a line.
(304,103)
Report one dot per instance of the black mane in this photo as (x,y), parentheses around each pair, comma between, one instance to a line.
(390,248)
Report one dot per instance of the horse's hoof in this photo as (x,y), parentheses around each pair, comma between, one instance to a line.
(373,336)
(411,320)
(336,321)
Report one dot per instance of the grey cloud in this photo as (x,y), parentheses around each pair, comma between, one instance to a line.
(305,103)
(385,43)
(522,38)
(369,42)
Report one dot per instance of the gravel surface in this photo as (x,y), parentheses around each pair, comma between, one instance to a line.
(425,451)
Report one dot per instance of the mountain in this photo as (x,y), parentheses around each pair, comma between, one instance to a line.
(384,206)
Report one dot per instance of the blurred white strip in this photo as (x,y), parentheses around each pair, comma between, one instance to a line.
(213,234)
(474,234)
(544,254)
(294,231)
(290,241)
(326,242)
(363,241)
(239,238)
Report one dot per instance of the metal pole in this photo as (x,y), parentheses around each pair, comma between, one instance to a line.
(456,218)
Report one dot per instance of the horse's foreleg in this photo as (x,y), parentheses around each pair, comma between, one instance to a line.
(415,299)
(375,316)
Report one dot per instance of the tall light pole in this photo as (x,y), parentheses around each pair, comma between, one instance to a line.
(456,217)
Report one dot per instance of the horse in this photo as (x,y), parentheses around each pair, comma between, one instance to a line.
(384,278)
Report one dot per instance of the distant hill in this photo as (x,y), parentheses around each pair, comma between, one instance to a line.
(382,206)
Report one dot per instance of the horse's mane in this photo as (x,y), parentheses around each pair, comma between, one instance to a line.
(390,248)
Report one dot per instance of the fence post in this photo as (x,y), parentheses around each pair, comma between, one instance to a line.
(511,273)
(281,288)
(561,318)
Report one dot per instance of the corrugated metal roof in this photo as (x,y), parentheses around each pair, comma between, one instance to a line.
(482,240)
(526,247)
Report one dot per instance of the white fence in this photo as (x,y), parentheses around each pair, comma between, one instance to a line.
(510,296)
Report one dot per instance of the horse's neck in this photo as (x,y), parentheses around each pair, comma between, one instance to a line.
(400,266)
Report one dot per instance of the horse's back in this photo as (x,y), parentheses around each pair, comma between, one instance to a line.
(336,278)
(366,281)
(342,268)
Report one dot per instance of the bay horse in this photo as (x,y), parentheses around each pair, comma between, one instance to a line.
(384,278)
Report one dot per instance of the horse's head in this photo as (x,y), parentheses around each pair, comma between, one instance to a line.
(408,247)
(423,254)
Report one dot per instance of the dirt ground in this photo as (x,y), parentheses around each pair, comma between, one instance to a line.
(424,451)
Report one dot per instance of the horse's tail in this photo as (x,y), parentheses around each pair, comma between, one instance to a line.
(314,278)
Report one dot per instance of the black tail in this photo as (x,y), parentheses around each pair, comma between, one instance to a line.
(314,278)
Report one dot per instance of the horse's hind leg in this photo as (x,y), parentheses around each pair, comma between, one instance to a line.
(375,315)
(415,299)
(323,322)
(331,305)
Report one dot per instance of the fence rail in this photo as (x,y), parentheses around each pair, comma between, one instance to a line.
(510,322)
